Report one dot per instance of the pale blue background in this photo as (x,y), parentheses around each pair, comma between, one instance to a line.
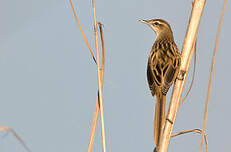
(48,80)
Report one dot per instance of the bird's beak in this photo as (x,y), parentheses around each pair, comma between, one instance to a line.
(144,21)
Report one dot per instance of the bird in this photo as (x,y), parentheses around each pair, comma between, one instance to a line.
(162,69)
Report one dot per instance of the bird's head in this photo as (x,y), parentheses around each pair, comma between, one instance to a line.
(160,26)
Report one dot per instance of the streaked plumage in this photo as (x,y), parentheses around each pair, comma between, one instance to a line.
(162,69)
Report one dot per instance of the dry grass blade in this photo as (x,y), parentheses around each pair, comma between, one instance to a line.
(99,80)
(194,71)
(186,57)
(93,126)
(103,50)
(96,113)
(211,74)
(80,27)
(190,131)
(7,129)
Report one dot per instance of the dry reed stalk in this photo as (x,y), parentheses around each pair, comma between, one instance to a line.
(190,131)
(187,52)
(193,76)
(80,27)
(16,136)
(211,74)
(94,122)
(103,50)
(99,79)
(93,126)
(96,113)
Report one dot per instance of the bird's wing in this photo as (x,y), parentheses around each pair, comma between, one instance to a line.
(154,72)
(150,78)
(171,70)
(163,67)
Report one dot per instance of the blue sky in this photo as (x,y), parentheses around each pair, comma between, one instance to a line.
(49,81)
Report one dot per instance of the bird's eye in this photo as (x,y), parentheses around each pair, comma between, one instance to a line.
(156,23)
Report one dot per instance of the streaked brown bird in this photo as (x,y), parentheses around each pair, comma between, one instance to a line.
(162,69)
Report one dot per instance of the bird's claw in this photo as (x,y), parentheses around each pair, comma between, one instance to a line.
(181,75)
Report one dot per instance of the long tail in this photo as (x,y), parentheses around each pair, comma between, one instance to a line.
(159,118)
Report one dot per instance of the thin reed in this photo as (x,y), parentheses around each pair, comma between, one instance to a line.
(100,74)
(211,74)
(80,27)
(7,129)
(187,52)
(192,131)
(99,79)
(96,113)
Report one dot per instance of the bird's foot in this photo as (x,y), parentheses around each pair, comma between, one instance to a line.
(181,75)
